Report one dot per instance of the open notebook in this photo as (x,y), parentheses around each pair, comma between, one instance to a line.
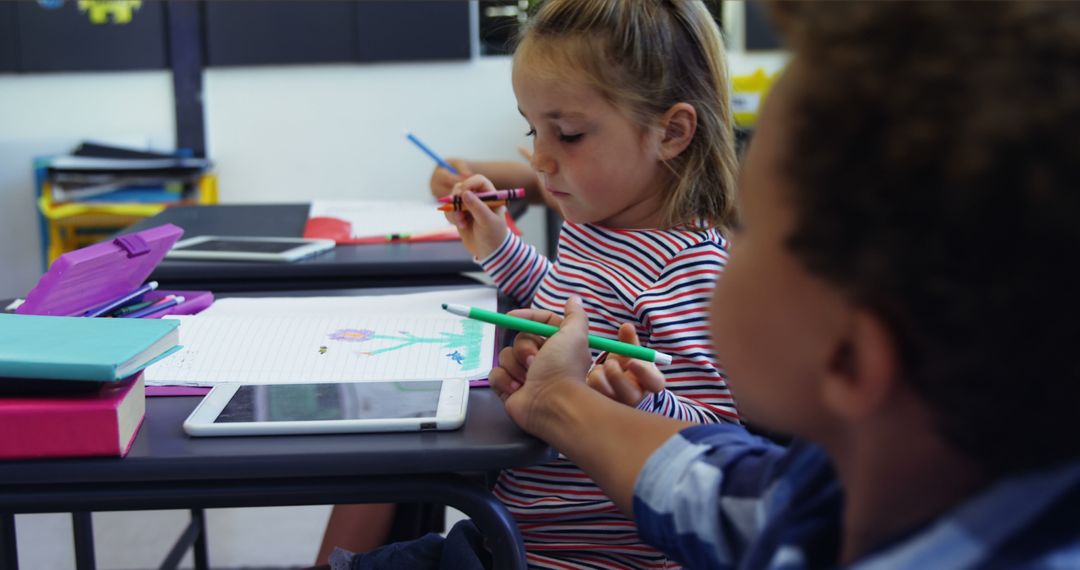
(332,339)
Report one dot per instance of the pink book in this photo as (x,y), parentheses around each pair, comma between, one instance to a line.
(97,423)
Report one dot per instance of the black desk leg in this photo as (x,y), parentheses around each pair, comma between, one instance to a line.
(9,552)
(82,529)
(202,561)
(193,537)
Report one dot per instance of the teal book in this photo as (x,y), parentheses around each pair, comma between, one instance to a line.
(78,348)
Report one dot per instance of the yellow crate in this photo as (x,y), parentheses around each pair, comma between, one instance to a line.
(748,92)
(71,225)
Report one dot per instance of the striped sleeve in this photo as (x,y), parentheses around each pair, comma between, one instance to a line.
(674,314)
(701,497)
(517,269)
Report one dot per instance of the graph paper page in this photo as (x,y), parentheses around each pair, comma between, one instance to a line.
(397,339)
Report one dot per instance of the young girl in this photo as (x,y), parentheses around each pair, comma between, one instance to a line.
(627,102)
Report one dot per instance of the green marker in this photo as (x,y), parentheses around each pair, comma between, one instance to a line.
(132,308)
(533,327)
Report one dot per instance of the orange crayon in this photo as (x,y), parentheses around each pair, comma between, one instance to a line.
(457,206)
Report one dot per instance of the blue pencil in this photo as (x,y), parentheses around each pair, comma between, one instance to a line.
(438,159)
(117,302)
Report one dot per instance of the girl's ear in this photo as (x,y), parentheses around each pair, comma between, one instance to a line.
(678,124)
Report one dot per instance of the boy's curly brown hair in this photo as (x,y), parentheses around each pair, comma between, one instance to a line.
(934,163)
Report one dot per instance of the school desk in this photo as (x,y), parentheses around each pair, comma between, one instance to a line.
(167,469)
(383,265)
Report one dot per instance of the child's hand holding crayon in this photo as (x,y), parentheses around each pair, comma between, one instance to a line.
(482,227)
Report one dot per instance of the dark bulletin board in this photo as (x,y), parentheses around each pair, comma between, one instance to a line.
(64,39)
(760,35)
(279,32)
(390,30)
(268,32)
(9,38)
(235,32)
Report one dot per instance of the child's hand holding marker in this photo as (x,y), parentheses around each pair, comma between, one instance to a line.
(549,361)
(620,377)
(482,228)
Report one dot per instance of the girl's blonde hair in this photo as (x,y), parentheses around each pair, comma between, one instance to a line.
(644,56)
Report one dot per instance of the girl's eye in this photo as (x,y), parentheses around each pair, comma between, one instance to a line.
(531,133)
(571,138)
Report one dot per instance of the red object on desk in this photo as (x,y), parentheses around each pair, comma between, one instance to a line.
(341,232)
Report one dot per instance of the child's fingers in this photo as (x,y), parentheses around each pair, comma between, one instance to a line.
(502,383)
(538,315)
(628,334)
(461,218)
(481,212)
(526,346)
(623,385)
(597,380)
(647,376)
(512,364)
(477,183)
(509,376)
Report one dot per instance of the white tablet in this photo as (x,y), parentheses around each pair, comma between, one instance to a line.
(248,248)
(279,409)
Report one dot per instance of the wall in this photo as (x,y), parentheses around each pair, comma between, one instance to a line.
(291,134)
(50,114)
(277,134)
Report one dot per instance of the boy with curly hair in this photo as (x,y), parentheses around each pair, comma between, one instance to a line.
(898,298)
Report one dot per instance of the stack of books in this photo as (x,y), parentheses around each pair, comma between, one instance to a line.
(72,386)
(106,174)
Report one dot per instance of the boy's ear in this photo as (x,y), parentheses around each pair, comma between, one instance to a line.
(864,370)
(678,124)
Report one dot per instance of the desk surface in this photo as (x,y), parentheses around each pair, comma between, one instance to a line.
(345,266)
(489,440)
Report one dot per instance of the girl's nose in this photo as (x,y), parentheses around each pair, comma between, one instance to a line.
(541,161)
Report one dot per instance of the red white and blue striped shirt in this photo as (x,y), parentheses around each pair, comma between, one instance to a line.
(658,280)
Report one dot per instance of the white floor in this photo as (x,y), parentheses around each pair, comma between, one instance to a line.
(269,537)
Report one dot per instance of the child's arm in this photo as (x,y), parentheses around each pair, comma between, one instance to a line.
(515,266)
(636,458)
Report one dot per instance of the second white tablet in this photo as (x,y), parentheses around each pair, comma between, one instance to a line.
(280,249)
(278,409)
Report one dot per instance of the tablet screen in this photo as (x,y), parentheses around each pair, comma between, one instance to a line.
(241,246)
(348,401)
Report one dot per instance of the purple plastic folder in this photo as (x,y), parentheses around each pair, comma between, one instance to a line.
(86,278)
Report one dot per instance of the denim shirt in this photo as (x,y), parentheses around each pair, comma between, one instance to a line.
(715,496)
